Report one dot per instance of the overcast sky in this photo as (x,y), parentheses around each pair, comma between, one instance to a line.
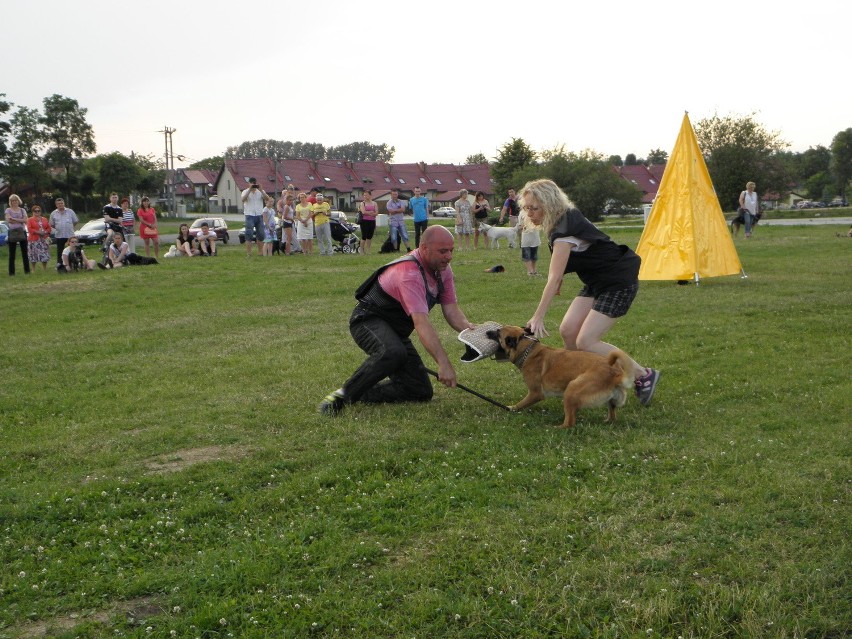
(438,80)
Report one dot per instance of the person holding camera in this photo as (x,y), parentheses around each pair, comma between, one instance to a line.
(74,258)
(253,199)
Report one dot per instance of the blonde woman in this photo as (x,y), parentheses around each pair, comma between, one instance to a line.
(16,219)
(304,222)
(609,273)
(749,206)
(464,219)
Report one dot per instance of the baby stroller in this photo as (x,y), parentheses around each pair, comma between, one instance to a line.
(344,234)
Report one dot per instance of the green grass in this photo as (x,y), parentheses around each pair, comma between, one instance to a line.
(163,471)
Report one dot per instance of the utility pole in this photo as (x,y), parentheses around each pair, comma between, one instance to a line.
(170,169)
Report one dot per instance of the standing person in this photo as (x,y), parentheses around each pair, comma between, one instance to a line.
(510,209)
(420,207)
(609,273)
(112,217)
(481,208)
(269,230)
(305,225)
(16,219)
(393,302)
(253,198)
(205,241)
(322,226)
(530,241)
(749,206)
(38,234)
(128,224)
(396,214)
(464,220)
(287,212)
(63,221)
(368,210)
(148,227)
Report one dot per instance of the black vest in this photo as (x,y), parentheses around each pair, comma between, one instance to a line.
(373,301)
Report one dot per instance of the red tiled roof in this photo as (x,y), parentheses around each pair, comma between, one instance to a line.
(642,178)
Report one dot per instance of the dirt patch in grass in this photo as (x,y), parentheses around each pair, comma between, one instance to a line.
(178,460)
(136,610)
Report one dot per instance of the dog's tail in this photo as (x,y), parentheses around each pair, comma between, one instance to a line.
(622,366)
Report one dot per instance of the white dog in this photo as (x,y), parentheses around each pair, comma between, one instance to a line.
(496,233)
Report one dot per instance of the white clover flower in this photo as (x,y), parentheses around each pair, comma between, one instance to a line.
(223,622)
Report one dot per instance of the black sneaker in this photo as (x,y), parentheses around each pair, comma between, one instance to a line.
(101,266)
(333,403)
(645,386)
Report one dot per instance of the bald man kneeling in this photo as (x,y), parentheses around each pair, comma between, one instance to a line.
(392,303)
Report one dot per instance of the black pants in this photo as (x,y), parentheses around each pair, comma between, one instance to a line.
(392,357)
(419,227)
(13,246)
(60,246)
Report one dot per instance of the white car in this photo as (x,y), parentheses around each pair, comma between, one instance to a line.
(444,211)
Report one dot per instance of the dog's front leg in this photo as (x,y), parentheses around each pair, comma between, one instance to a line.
(531,398)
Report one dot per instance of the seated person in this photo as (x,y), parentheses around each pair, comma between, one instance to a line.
(119,251)
(185,243)
(70,259)
(112,217)
(206,241)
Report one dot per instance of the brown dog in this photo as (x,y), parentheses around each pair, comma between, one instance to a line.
(582,379)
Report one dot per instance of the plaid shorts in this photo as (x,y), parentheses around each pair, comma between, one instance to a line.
(612,303)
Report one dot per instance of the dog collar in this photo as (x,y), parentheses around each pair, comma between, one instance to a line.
(523,358)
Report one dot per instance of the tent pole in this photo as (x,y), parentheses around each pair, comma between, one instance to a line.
(743,275)
(697,279)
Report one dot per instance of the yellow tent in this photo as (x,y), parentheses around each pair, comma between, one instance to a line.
(686,235)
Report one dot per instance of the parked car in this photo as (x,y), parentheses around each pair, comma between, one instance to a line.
(216,224)
(838,202)
(4,233)
(92,232)
(444,211)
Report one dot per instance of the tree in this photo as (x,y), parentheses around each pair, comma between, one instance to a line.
(630,160)
(738,149)
(5,131)
(211,164)
(657,156)
(24,162)
(69,138)
(590,182)
(476,158)
(615,160)
(353,151)
(513,157)
(119,173)
(841,160)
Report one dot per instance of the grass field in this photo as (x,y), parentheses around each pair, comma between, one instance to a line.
(163,471)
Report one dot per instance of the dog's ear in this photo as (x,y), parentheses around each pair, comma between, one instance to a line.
(527,330)
(512,342)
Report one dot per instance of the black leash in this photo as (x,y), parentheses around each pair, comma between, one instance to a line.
(473,392)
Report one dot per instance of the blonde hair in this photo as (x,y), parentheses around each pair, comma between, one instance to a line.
(751,184)
(15,196)
(552,199)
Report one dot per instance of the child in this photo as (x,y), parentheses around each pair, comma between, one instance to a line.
(530,241)
(269,221)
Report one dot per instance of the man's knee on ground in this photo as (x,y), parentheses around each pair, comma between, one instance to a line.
(422,392)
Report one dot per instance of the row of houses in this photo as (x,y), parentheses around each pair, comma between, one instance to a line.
(342,182)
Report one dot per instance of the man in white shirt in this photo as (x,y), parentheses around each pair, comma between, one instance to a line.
(253,199)
(62,220)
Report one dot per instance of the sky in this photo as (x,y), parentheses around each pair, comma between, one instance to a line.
(440,80)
